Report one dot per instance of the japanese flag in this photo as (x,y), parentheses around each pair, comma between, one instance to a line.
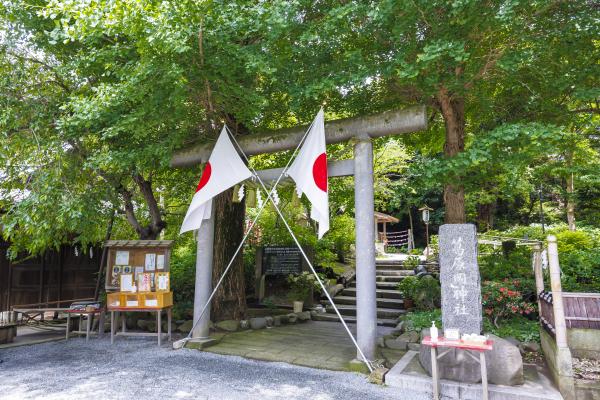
(309,171)
(223,170)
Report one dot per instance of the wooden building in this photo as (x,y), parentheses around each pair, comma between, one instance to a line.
(53,279)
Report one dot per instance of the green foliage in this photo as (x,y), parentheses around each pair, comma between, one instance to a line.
(183,278)
(518,327)
(302,285)
(571,241)
(580,271)
(495,266)
(424,291)
(420,320)
(411,262)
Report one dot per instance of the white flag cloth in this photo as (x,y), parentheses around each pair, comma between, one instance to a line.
(223,170)
(309,171)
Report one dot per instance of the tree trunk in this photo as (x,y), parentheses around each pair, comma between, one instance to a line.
(485,216)
(230,300)
(453,111)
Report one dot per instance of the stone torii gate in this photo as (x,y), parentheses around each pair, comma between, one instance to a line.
(359,130)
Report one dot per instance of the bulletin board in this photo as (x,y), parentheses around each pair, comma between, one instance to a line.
(146,260)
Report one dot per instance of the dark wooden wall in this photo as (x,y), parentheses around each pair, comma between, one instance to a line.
(55,275)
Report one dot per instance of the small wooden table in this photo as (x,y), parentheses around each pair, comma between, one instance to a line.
(89,314)
(457,344)
(114,321)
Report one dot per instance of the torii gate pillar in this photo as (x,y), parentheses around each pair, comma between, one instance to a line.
(204,266)
(366,297)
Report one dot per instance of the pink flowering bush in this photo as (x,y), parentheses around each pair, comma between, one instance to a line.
(501,300)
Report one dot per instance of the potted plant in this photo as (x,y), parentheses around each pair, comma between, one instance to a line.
(301,286)
(408,286)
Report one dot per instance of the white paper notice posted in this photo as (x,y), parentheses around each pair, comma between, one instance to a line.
(150,264)
(122,258)
(163,282)
(126,282)
(160,261)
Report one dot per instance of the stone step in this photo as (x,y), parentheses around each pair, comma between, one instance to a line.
(389,272)
(381,293)
(387,278)
(396,267)
(387,313)
(352,320)
(380,285)
(381,302)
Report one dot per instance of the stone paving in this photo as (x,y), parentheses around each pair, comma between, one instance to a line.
(314,344)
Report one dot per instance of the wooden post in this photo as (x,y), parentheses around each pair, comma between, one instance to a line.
(563,361)
(557,299)
(538,273)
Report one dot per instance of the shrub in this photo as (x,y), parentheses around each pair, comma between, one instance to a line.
(183,280)
(301,286)
(411,262)
(570,242)
(425,291)
(502,300)
(428,294)
(580,271)
(422,319)
(408,287)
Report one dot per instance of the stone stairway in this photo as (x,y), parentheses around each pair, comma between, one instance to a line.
(389,300)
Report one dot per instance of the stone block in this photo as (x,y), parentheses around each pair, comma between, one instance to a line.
(396,344)
(228,325)
(258,323)
(285,319)
(269,321)
(409,336)
(504,362)
(335,289)
(292,318)
(303,316)
(277,320)
(414,346)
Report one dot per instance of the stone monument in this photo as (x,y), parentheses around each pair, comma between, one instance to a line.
(461,309)
(459,278)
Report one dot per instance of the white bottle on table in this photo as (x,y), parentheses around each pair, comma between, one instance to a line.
(433,332)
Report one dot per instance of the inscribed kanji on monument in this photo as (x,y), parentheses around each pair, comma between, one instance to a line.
(459,278)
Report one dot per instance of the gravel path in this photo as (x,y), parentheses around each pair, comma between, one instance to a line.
(134,368)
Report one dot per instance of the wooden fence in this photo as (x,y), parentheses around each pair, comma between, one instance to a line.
(582,310)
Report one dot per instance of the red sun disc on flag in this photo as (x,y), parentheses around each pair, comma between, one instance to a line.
(320,172)
(205,177)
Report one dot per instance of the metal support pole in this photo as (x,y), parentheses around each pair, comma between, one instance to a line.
(366,302)
(203,288)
